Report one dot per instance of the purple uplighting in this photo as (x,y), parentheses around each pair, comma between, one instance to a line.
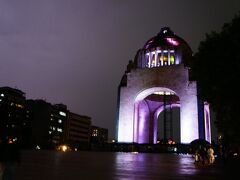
(172,41)
(148,106)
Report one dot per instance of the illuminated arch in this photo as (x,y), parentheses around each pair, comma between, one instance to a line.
(141,117)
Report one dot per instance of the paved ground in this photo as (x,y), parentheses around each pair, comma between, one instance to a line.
(50,165)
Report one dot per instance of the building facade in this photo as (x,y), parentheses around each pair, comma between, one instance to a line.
(78,130)
(40,124)
(12,114)
(47,123)
(99,135)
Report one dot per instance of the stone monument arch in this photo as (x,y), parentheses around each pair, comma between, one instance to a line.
(159,78)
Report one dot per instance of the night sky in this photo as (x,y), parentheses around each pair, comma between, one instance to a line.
(75,51)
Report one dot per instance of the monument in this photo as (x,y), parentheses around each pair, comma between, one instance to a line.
(158,80)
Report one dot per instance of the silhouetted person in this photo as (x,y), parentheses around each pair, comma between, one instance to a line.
(9,156)
(203,155)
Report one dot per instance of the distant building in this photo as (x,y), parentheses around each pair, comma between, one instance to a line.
(78,130)
(99,135)
(47,123)
(58,120)
(38,114)
(12,114)
(39,124)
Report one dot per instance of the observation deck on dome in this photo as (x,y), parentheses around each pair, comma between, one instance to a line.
(165,49)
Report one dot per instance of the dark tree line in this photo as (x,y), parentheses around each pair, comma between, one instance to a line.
(216,67)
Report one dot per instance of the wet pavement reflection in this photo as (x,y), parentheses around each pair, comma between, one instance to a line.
(110,165)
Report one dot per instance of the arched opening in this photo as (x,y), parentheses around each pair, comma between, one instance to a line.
(172,121)
(148,107)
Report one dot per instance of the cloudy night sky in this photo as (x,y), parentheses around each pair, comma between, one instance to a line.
(75,51)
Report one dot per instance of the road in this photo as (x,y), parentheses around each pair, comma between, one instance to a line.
(52,165)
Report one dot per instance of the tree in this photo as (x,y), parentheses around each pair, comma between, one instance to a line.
(216,68)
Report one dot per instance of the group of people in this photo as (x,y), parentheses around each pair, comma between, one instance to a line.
(204,155)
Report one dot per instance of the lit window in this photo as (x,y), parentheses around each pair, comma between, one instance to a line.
(159,93)
(50,132)
(153,60)
(59,129)
(59,121)
(53,128)
(163,57)
(160,58)
(2,95)
(162,93)
(62,113)
(172,58)
(19,105)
